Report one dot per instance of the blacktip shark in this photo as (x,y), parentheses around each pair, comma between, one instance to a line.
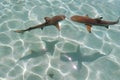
(48,21)
(90,21)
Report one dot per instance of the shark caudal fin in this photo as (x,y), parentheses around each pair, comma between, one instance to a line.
(118,20)
(115,22)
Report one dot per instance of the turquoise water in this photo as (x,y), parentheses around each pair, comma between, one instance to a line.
(49,54)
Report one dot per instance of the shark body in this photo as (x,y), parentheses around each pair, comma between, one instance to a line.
(90,21)
(48,21)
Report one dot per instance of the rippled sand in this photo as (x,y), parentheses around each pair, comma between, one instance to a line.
(49,54)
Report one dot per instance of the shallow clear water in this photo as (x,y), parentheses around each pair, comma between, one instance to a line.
(49,54)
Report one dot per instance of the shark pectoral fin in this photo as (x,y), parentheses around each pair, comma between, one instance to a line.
(88,28)
(57,26)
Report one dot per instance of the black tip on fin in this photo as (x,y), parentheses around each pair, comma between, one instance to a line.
(87,15)
(101,17)
(107,27)
(41,28)
(89,28)
(98,19)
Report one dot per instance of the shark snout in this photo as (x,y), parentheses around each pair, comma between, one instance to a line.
(74,18)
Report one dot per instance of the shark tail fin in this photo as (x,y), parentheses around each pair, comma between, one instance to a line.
(118,20)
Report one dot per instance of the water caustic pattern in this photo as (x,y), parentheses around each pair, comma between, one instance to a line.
(49,54)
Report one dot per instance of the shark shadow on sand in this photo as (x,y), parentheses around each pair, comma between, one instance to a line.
(50,45)
(33,54)
(77,56)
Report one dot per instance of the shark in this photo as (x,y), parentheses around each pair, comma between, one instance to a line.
(93,21)
(48,21)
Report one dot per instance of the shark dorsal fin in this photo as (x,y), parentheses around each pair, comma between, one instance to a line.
(87,15)
(99,18)
(47,19)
